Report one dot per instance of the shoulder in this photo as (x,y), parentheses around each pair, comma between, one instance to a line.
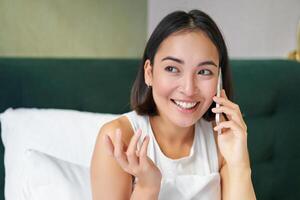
(108,179)
(121,123)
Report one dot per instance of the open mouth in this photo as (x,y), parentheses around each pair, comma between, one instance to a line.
(186,105)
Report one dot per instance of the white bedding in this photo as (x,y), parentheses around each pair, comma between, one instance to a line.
(60,136)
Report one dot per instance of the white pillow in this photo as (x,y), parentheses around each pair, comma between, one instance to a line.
(65,134)
(49,178)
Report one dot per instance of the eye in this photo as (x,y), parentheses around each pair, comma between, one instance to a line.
(171,69)
(205,72)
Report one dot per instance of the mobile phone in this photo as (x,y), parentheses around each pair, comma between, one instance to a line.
(219,88)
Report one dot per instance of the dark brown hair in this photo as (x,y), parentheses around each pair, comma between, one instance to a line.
(195,20)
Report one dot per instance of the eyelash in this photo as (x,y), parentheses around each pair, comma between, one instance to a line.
(169,69)
(210,73)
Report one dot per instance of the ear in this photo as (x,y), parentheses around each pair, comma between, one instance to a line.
(148,72)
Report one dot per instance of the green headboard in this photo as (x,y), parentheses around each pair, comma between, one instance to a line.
(266,90)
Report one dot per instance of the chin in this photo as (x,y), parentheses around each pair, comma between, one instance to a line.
(185,123)
(184,120)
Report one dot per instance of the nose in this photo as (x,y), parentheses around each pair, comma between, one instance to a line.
(189,86)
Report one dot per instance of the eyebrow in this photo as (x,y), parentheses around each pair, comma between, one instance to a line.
(207,62)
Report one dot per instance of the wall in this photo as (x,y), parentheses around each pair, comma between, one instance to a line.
(252,29)
(73,28)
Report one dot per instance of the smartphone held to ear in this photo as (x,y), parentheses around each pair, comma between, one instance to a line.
(219,89)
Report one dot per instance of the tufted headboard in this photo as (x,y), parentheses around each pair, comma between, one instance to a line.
(266,90)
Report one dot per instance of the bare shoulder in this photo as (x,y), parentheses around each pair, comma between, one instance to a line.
(108,179)
(120,123)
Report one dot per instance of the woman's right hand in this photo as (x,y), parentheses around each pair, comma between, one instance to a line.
(134,161)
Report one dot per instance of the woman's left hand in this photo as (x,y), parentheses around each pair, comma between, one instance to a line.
(233,140)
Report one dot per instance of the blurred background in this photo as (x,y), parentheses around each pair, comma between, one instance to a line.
(119,29)
(73,28)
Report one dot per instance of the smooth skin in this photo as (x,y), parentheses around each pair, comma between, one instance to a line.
(134,161)
(116,158)
(115,162)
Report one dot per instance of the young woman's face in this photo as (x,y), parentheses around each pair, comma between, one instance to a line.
(184,77)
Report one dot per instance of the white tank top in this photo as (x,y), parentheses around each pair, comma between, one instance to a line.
(194,177)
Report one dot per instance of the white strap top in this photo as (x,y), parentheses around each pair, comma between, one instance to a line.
(194,177)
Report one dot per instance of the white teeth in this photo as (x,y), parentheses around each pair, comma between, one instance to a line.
(185,105)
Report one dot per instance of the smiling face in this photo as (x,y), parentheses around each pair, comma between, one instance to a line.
(183,77)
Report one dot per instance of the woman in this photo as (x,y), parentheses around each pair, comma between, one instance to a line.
(168,146)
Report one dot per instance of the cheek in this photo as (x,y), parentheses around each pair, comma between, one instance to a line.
(163,86)
(208,88)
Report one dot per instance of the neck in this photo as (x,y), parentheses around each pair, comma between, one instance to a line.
(167,132)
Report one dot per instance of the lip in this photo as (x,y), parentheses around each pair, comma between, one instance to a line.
(187,101)
(186,110)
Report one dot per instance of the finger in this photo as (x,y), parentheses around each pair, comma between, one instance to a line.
(234,127)
(224,117)
(233,114)
(118,152)
(223,94)
(109,145)
(143,150)
(132,148)
(226,102)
